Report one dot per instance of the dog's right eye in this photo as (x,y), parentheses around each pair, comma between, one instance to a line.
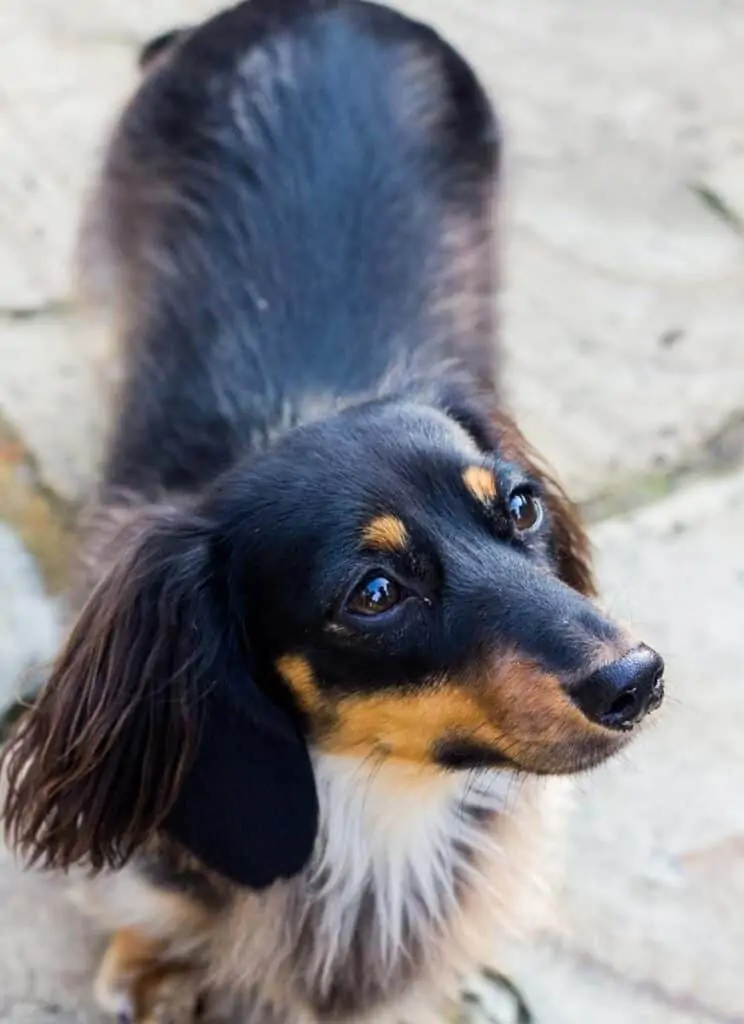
(374,595)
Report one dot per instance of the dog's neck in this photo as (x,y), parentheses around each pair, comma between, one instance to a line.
(413,875)
(399,849)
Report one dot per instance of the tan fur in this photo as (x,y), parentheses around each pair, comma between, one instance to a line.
(481,483)
(297,673)
(153,968)
(135,977)
(509,706)
(385,533)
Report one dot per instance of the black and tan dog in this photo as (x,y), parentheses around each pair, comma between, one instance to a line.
(337,608)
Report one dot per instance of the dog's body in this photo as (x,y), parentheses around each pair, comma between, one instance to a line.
(412,889)
(295,225)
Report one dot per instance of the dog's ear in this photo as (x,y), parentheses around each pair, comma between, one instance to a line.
(151,722)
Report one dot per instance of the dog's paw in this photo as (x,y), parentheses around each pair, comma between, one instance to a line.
(171,996)
(136,986)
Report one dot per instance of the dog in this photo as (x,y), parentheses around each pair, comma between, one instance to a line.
(339,641)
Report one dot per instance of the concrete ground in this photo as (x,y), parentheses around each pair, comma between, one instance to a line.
(623,322)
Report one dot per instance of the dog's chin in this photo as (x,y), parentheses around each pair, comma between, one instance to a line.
(566,759)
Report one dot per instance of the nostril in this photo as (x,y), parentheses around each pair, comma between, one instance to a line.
(619,695)
(625,704)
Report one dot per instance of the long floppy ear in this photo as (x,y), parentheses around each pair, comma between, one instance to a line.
(151,722)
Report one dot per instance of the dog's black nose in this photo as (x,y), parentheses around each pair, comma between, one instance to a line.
(620,694)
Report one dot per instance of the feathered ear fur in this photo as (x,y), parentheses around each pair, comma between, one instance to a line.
(151,721)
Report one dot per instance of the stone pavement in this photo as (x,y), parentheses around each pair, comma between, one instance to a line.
(623,320)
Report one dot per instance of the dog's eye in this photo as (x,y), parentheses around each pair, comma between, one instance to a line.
(375,595)
(525,511)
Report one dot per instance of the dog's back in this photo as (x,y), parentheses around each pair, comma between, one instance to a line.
(297,206)
(288,722)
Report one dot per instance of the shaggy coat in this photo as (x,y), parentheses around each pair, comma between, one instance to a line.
(337,637)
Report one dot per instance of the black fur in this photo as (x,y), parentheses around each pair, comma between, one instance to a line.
(158,47)
(298,205)
(300,226)
(305,219)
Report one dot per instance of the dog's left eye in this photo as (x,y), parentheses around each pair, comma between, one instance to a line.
(525,511)
(373,596)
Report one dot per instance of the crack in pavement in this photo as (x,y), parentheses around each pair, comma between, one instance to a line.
(61,307)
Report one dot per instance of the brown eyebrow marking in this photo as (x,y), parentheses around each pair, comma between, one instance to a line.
(386,533)
(481,483)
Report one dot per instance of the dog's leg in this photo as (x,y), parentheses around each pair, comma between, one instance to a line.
(138,982)
(160,912)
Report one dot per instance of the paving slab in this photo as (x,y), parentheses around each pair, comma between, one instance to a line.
(624,260)
(29,620)
(56,97)
(47,955)
(562,990)
(56,395)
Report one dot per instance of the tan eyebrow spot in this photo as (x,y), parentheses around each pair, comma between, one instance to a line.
(481,483)
(386,533)
(297,673)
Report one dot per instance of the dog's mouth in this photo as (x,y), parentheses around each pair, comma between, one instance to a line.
(505,714)
(467,755)
(459,729)
(533,723)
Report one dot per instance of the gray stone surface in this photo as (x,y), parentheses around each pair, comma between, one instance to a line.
(47,955)
(54,391)
(29,622)
(565,990)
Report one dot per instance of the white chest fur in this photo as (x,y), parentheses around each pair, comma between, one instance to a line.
(407,861)
(397,846)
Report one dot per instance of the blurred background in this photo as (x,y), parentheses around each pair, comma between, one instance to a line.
(623,324)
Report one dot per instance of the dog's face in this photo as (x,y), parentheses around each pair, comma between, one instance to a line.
(403,584)
(396,582)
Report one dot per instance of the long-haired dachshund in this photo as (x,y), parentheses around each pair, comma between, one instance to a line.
(339,629)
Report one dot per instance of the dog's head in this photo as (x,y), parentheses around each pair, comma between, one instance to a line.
(400,581)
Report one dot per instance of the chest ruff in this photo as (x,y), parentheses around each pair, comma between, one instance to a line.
(414,877)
